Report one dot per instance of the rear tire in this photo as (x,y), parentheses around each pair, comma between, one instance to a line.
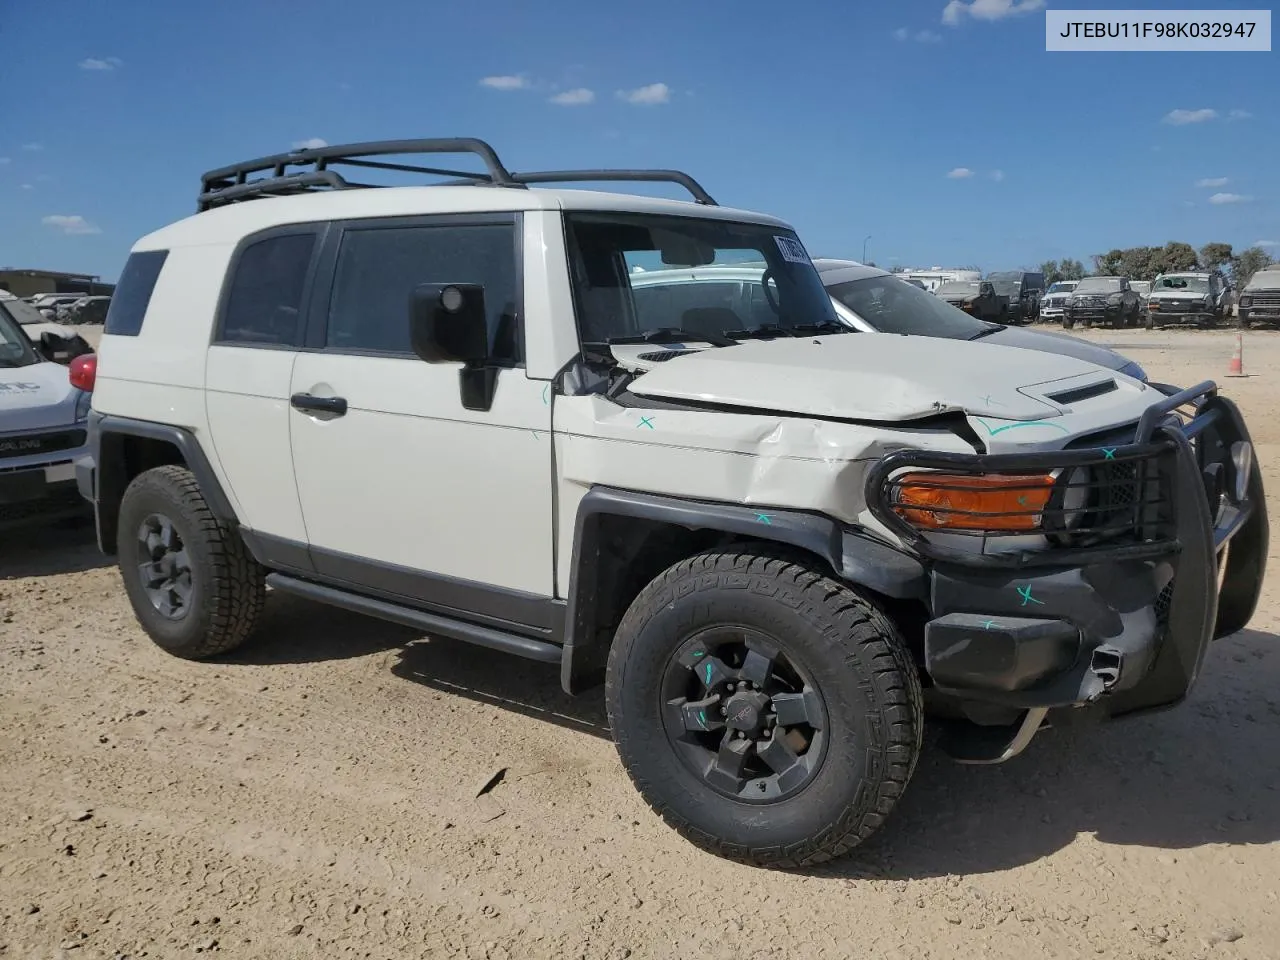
(825,646)
(193,585)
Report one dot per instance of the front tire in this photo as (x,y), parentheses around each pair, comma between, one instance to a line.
(815,679)
(193,585)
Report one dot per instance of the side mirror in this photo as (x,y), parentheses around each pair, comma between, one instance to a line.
(448,324)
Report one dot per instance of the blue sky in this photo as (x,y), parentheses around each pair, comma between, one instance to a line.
(943,131)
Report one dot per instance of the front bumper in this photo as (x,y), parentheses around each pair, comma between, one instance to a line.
(1124,624)
(1260,314)
(1167,314)
(39,487)
(1090,315)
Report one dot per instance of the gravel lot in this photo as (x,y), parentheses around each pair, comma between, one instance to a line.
(316,796)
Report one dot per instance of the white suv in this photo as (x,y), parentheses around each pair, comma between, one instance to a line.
(437,405)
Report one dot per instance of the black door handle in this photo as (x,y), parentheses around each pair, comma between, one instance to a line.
(305,401)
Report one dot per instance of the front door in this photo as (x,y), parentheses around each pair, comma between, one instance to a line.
(405,492)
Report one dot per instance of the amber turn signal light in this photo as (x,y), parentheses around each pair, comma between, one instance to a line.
(948,501)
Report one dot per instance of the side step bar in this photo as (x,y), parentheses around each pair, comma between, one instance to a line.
(410,617)
(967,742)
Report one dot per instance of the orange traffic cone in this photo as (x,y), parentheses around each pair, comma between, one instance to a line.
(1237,358)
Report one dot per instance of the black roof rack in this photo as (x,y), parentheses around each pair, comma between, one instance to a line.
(233,183)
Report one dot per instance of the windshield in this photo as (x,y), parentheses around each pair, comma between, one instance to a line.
(1062,286)
(23,312)
(620,264)
(1099,285)
(959,286)
(894,307)
(1008,288)
(1189,284)
(15,346)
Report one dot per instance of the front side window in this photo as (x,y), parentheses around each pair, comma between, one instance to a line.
(378,268)
(894,307)
(264,304)
(617,262)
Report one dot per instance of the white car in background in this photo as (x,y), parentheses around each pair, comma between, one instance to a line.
(42,422)
(1055,299)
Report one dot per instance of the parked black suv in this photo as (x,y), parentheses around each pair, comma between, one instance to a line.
(1024,290)
(1103,301)
(976,297)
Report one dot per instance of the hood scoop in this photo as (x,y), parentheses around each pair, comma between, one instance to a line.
(1080,394)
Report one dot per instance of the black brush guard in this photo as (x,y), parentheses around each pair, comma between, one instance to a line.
(1124,608)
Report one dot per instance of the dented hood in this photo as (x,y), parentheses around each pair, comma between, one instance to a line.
(872,376)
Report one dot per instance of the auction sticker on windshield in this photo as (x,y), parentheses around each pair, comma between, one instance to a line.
(792,250)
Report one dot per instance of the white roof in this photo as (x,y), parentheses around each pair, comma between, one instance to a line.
(229,223)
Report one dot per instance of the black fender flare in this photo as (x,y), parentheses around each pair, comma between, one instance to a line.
(853,554)
(107,475)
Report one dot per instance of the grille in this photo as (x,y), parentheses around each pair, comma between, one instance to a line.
(1270,303)
(32,445)
(661,356)
(1163,602)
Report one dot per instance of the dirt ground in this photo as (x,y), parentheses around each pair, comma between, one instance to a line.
(316,796)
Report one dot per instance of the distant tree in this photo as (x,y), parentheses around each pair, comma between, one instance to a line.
(1247,263)
(1216,255)
(1071,270)
(1176,257)
(1108,264)
(1051,273)
(1141,263)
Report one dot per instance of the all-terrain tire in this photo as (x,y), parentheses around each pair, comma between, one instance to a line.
(227,584)
(857,661)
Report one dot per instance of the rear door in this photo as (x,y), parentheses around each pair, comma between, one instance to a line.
(258,332)
(404,491)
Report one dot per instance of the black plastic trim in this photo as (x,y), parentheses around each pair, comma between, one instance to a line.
(851,553)
(429,623)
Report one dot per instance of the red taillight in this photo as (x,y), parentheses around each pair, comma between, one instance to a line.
(83,371)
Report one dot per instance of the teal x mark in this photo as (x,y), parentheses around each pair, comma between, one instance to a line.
(645,422)
(1025,594)
(1108,453)
(1022,500)
(764,518)
(544,393)
(988,624)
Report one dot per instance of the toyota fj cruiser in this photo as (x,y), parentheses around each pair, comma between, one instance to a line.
(769,536)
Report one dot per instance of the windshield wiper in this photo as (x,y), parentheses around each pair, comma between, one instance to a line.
(674,335)
(762,332)
(827,326)
(987,332)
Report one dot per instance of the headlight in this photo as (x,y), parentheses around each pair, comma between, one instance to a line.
(1246,301)
(1115,298)
(946,501)
(83,403)
(1134,369)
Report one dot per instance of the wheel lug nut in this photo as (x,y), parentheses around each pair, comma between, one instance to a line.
(724,711)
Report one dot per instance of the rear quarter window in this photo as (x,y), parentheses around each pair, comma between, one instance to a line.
(133,293)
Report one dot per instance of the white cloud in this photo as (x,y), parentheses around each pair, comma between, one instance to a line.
(33,147)
(901,33)
(27,186)
(314,143)
(4,160)
(647,95)
(103,63)
(960,173)
(1181,118)
(1239,115)
(1266,243)
(1213,182)
(956,10)
(577,97)
(928,36)
(505,81)
(74,224)
(1229,198)
(997,175)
